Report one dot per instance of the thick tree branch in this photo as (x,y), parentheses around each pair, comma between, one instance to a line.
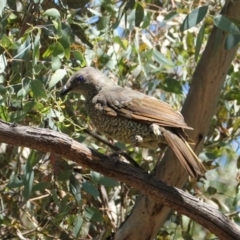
(50,141)
(198,110)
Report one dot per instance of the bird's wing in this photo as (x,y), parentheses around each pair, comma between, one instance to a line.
(137,106)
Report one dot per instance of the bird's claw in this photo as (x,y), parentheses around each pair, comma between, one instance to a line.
(155,128)
(137,140)
(116,153)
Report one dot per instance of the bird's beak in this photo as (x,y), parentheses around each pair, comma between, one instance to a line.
(64,90)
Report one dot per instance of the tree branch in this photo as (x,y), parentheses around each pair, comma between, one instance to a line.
(47,140)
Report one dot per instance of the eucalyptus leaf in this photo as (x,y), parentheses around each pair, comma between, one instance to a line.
(38,89)
(226,24)
(139,14)
(193,18)
(77,225)
(89,188)
(2,6)
(52,12)
(92,213)
(56,77)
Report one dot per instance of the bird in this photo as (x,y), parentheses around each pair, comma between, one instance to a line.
(132,117)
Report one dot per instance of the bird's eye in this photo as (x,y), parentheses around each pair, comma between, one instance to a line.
(80,78)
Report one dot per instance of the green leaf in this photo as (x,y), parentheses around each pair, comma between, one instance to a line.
(139,14)
(89,188)
(59,115)
(28,106)
(38,89)
(186,235)
(147,20)
(13,5)
(58,50)
(226,25)
(238,162)
(21,93)
(65,42)
(170,16)
(57,24)
(65,175)
(56,63)
(92,213)
(77,225)
(211,190)
(88,213)
(49,51)
(52,12)
(5,41)
(59,218)
(36,48)
(56,77)
(2,89)
(103,23)
(4,113)
(119,41)
(79,32)
(171,85)
(106,181)
(232,94)
(33,158)
(231,41)
(193,18)
(199,41)
(40,186)
(67,53)
(75,188)
(65,39)
(39,106)
(15,181)
(160,58)
(2,6)
(78,56)
(24,49)
(64,207)
(28,180)
(38,67)
(55,197)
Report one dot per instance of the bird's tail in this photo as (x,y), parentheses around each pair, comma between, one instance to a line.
(184,153)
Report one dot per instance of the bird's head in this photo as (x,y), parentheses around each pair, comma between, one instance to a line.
(87,81)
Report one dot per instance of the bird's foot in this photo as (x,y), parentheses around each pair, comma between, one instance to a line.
(156,129)
(116,153)
(115,157)
(136,140)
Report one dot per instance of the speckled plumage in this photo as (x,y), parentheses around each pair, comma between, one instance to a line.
(122,129)
(133,117)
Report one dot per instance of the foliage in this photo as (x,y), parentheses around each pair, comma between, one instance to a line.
(150,46)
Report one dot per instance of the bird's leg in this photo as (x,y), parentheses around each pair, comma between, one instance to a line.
(159,133)
(136,140)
